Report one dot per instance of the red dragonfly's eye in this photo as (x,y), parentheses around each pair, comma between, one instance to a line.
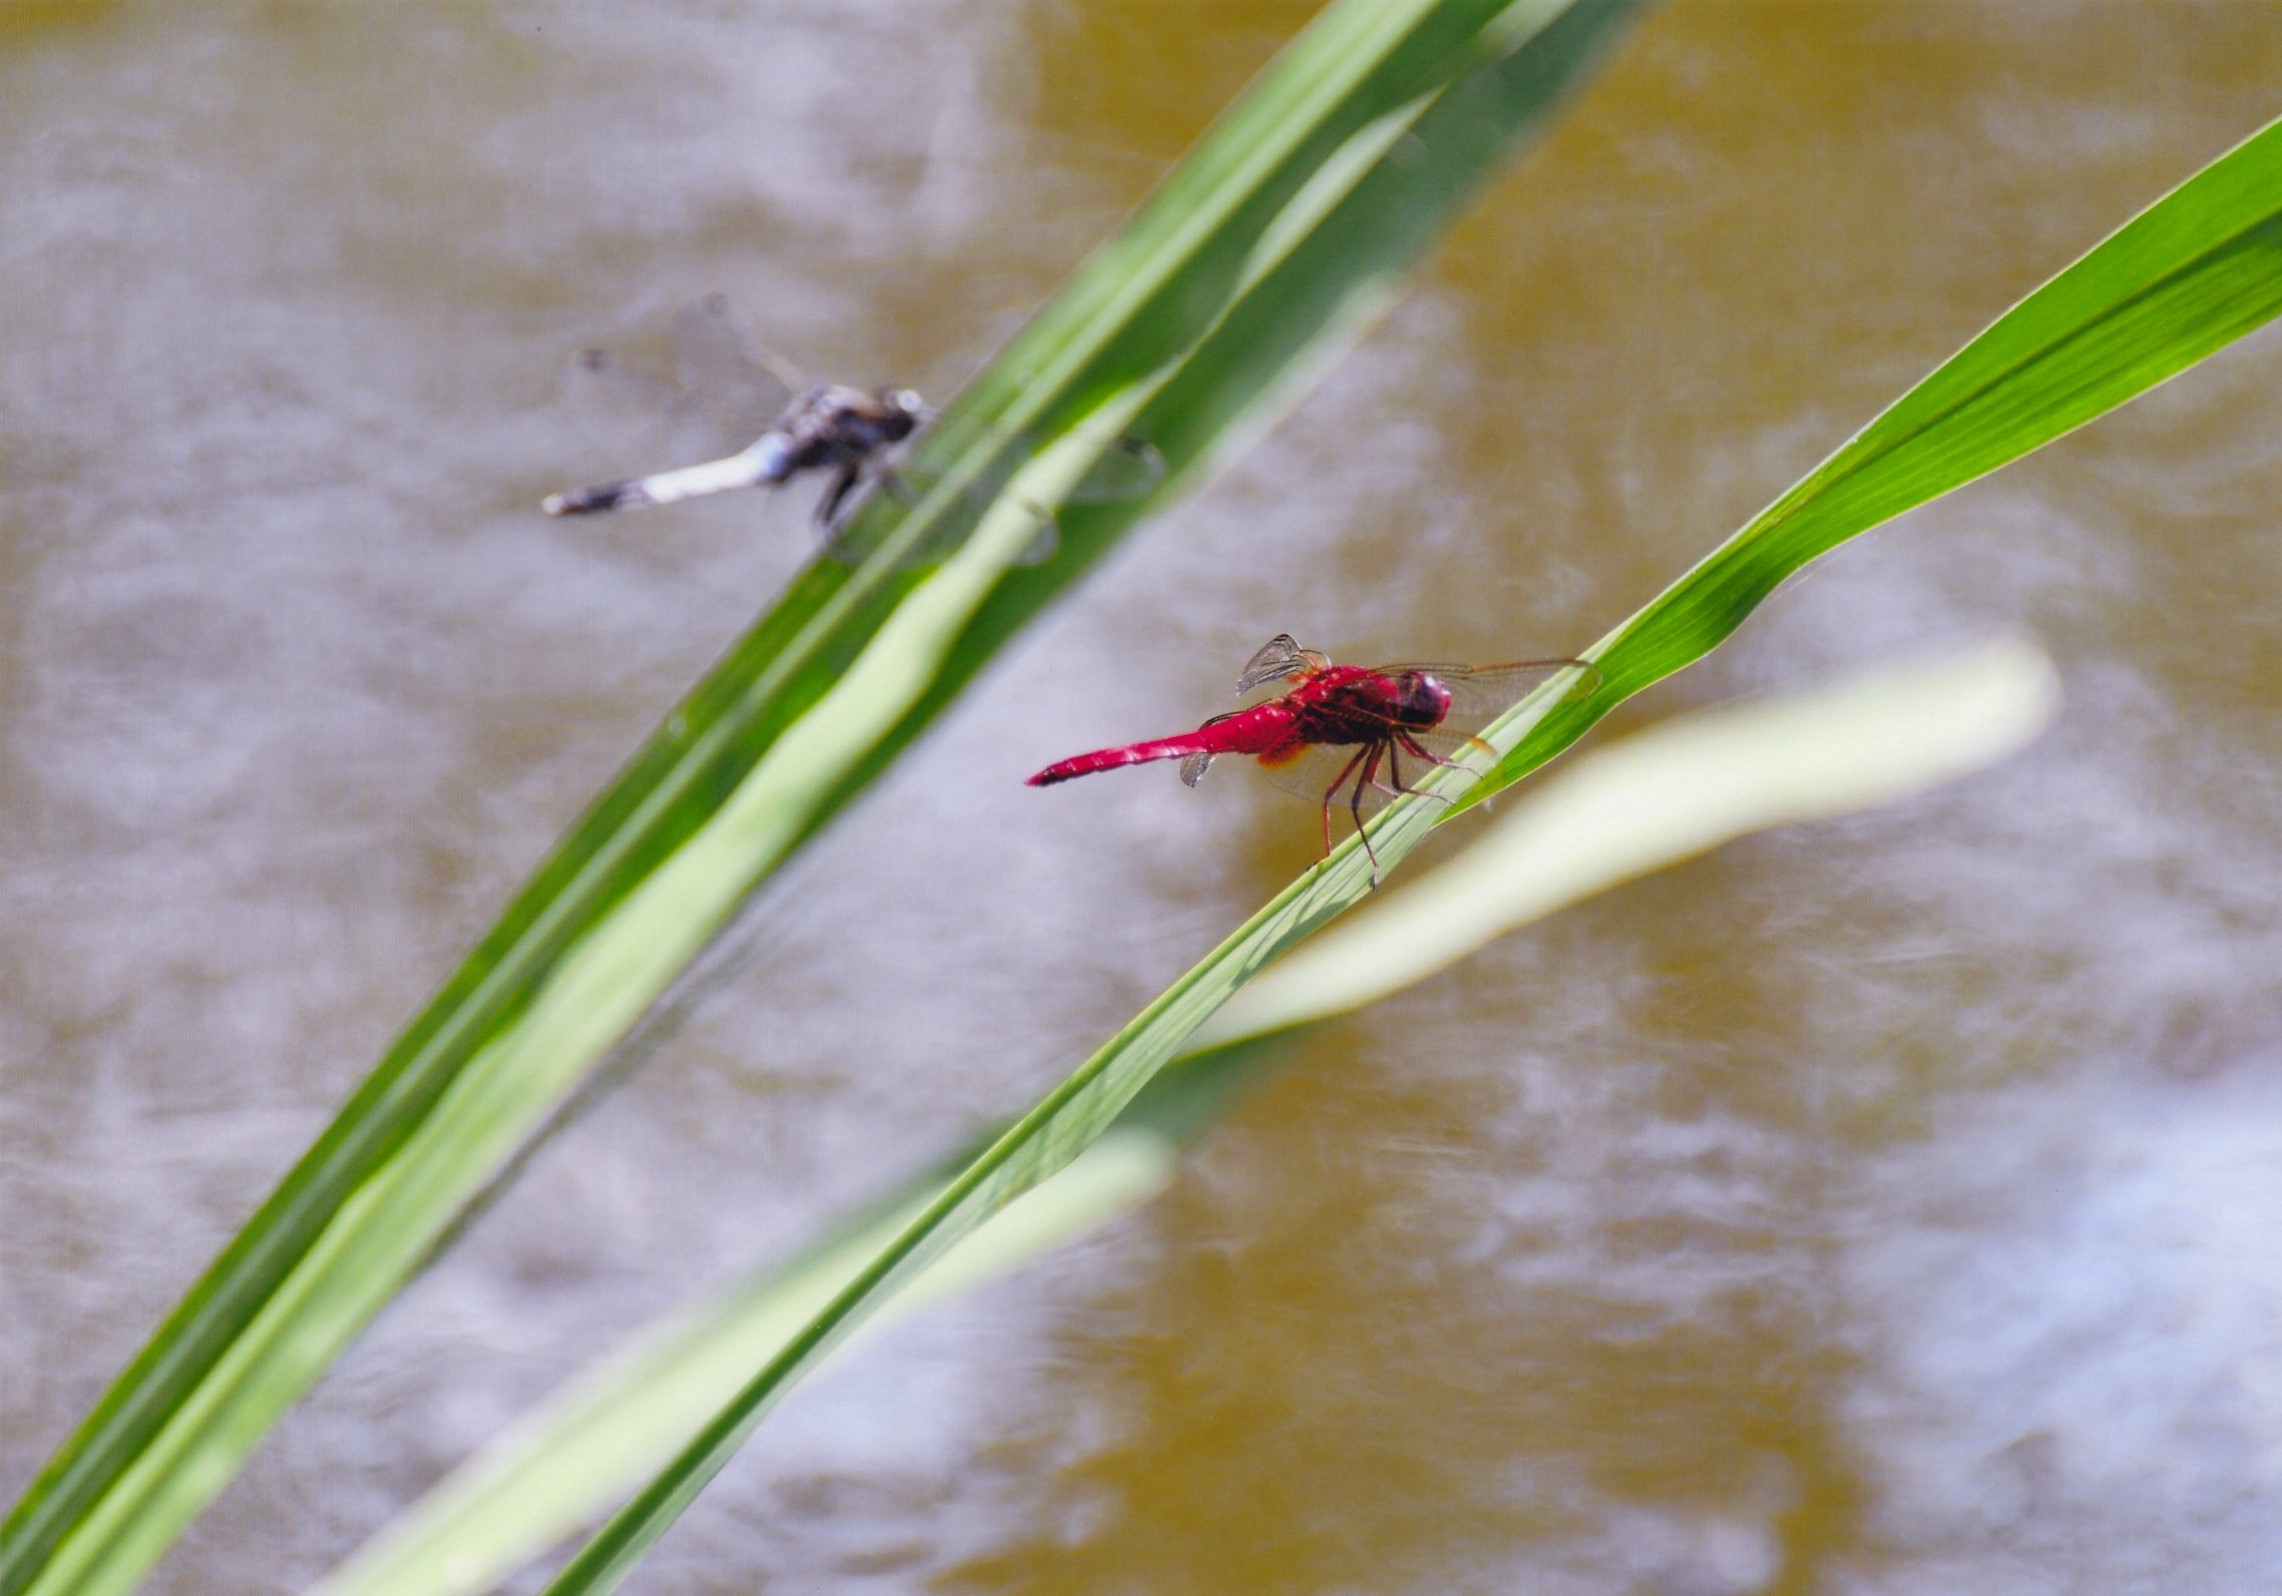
(1423,701)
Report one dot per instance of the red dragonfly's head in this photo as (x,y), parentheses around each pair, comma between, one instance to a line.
(1420,699)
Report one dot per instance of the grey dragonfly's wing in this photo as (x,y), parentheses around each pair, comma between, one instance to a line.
(690,390)
(720,362)
(1124,468)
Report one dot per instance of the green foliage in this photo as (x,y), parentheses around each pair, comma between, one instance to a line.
(1276,239)
(2198,269)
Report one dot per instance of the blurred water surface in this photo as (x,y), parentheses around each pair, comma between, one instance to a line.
(1883,1206)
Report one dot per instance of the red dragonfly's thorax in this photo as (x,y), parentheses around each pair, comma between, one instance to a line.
(1355,704)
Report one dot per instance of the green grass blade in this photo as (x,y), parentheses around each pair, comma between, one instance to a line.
(1166,328)
(2183,279)
(2200,268)
(563,1465)
(1648,801)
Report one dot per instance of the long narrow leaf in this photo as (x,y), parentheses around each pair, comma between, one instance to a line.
(1219,295)
(2185,278)
(2198,269)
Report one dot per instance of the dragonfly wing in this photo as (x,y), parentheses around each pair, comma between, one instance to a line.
(1365,776)
(687,387)
(1194,767)
(1279,659)
(1479,694)
(1127,468)
(724,371)
(849,539)
(1444,747)
(624,414)
(1316,771)
(1044,544)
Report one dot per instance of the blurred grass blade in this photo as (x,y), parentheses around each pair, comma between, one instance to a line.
(1650,800)
(1267,246)
(563,1465)
(2198,269)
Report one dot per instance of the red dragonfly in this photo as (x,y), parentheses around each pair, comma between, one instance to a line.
(1357,721)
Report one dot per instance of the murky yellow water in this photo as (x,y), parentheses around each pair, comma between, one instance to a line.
(1882,1206)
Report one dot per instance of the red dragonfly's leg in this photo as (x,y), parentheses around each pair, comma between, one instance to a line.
(1394,764)
(1454,764)
(1412,745)
(1394,771)
(1369,776)
(1332,792)
(1401,788)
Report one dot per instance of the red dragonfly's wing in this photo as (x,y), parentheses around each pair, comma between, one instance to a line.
(1280,659)
(1310,770)
(1478,695)
(1325,775)
(1196,764)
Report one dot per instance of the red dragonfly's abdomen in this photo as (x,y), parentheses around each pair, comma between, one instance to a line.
(1249,731)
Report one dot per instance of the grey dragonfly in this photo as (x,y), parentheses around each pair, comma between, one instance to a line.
(855,437)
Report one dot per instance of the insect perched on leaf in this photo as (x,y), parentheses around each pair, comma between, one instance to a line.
(825,427)
(857,437)
(720,369)
(1340,728)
